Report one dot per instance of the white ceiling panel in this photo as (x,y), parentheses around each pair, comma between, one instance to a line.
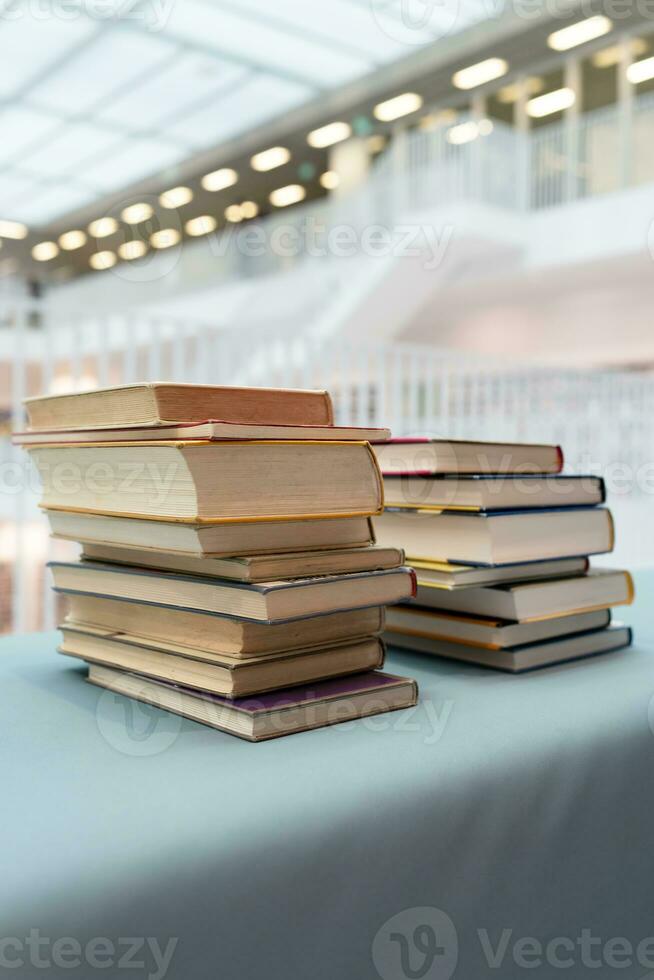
(109,64)
(254,41)
(31,45)
(134,160)
(12,187)
(179,87)
(66,153)
(22,127)
(256,100)
(48,204)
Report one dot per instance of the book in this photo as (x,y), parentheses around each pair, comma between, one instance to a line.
(446,576)
(491,493)
(254,568)
(218,673)
(493,634)
(270,715)
(174,404)
(213,540)
(264,602)
(502,538)
(209,431)
(428,457)
(212,481)
(216,633)
(527,601)
(529,657)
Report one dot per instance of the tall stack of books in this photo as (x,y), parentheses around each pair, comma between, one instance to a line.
(229,571)
(500,542)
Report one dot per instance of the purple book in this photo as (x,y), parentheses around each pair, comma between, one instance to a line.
(276,713)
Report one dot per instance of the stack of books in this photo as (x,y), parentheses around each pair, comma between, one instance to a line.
(500,542)
(229,571)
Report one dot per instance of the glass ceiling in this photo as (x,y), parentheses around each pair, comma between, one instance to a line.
(97,94)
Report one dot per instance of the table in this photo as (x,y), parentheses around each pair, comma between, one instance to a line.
(457,840)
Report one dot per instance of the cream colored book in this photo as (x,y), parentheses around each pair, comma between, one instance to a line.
(218,634)
(265,716)
(447,576)
(220,674)
(202,482)
(162,403)
(256,568)
(264,602)
(212,540)
(494,634)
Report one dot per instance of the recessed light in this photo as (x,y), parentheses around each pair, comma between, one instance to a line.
(71,240)
(218,180)
(327,135)
(291,194)
(608,57)
(276,156)
(641,71)
(12,229)
(176,197)
(480,73)
(133,249)
(233,213)
(463,133)
(202,225)
(249,209)
(330,180)
(165,238)
(45,251)
(545,105)
(136,213)
(400,105)
(103,260)
(579,33)
(103,227)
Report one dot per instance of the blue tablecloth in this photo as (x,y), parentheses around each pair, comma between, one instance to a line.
(503,829)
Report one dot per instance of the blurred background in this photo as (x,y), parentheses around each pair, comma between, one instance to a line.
(441,210)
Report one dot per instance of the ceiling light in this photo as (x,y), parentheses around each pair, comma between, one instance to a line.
(136,213)
(202,225)
(330,180)
(218,180)
(545,105)
(102,260)
(463,133)
(579,33)
(249,209)
(401,105)
(12,229)
(103,227)
(327,135)
(134,249)
(480,74)
(291,194)
(45,251)
(608,57)
(71,240)
(177,197)
(276,156)
(165,238)
(233,213)
(641,71)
